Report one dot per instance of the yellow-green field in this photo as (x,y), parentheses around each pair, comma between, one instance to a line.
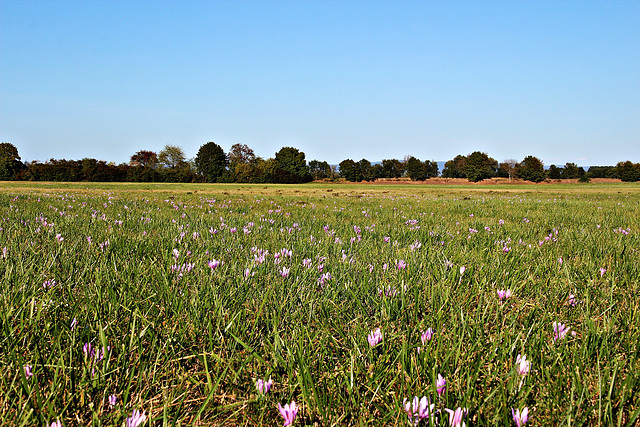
(175,300)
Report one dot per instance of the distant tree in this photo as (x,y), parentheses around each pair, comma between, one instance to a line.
(350,170)
(392,168)
(602,172)
(582,175)
(531,169)
(628,171)
(144,158)
(211,161)
(455,168)
(319,170)
(10,163)
(480,166)
(415,169)
(554,172)
(267,170)
(171,157)
(506,168)
(240,153)
(431,168)
(570,171)
(366,170)
(292,166)
(377,171)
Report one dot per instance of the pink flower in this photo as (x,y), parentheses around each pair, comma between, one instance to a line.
(284,272)
(520,418)
(136,419)
(602,271)
(27,371)
(504,295)
(455,417)
(375,337)
(559,331)
(112,400)
(264,386)
(572,300)
(418,409)
(56,423)
(524,366)
(462,270)
(401,265)
(288,412)
(426,336)
(214,263)
(441,385)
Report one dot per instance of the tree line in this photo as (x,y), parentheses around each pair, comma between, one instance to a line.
(289,165)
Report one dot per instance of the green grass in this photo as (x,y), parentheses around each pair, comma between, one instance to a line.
(188,349)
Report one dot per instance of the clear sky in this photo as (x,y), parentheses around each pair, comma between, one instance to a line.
(559,80)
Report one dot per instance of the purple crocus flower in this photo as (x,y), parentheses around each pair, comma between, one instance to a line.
(418,409)
(284,272)
(441,385)
(602,271)
(572,300)
(214,263)
(56,423)
(426,336)
(520,418)
(264,386)
(524,365)
(112,400)
(288,412)
(504,294)
(559,331)
(136,419)
(375,337)
(456,417)
(27,371)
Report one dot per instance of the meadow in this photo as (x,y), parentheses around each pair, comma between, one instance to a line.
(215,304)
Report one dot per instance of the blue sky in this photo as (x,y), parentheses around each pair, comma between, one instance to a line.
(336,79)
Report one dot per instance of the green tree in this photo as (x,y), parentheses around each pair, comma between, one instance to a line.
(366,170)
(415,169)
(628,171)
(319,170)
(455,168)
(211,161)
(602,172)
(480,166)
(531,169)
(172,157)
(554,172)
(292,166)
(392,168)
(431,168)
(350,170)
(10,162)
(571,171)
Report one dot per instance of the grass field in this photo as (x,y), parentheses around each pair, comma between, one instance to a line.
(175,300)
